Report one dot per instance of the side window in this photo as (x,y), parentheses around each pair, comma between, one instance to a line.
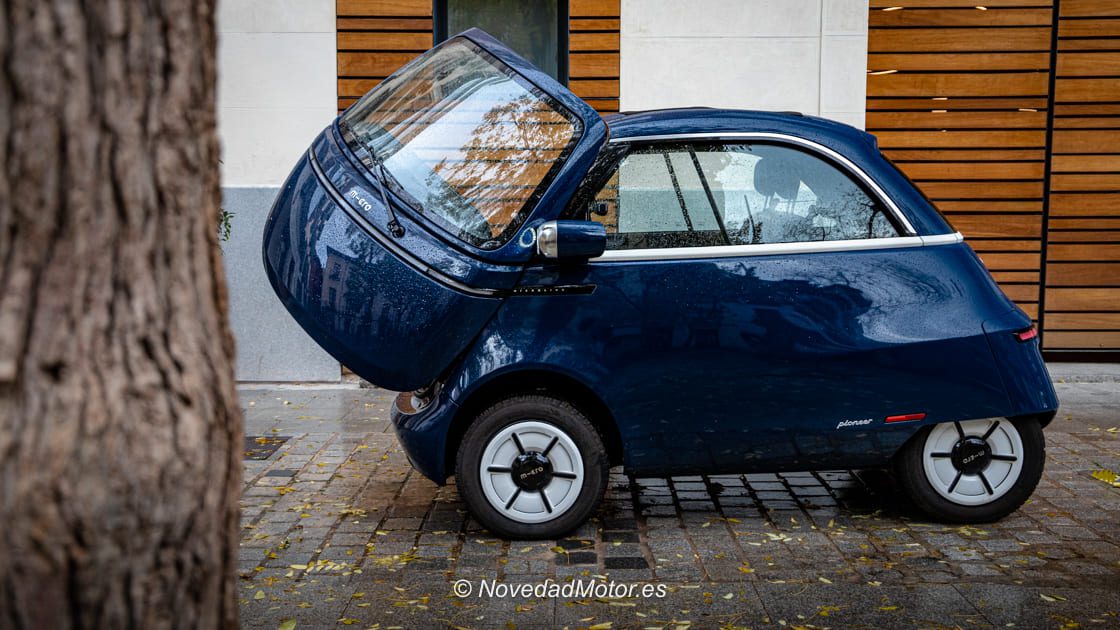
(742,194)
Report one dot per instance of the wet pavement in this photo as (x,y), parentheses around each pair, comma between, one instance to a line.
(338,531)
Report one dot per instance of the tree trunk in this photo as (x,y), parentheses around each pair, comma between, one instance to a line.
(120,436)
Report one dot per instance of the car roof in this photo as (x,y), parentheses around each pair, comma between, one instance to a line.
(856,145)
(697,120)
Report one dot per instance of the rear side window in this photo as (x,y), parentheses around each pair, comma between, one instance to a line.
(685,195)
(921,192)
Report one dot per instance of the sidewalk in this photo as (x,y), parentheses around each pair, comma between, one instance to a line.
(338,531)
(1084,372)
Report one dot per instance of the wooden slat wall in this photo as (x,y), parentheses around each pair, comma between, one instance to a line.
(1026,165)
(1083,243)
(375,37)
(957,97)
(593,58)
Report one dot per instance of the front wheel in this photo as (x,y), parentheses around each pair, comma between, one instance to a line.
(974,471)
(531,467)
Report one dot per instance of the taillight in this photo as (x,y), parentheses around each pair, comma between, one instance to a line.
(1027,335)
(906,417)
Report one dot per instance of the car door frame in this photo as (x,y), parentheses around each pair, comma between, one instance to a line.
(617,149)
(645,449)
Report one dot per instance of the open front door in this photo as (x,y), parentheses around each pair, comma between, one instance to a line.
(396,237)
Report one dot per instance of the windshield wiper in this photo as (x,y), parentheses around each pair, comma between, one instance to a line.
(395,227)
(378,170)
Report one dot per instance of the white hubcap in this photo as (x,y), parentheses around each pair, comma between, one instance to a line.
(973,462)
(531,472)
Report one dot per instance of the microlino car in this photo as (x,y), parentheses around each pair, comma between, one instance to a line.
(689,291)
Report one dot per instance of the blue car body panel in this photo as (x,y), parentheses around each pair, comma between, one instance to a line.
(329,272)
(752,363)
(402,309)
(731,364)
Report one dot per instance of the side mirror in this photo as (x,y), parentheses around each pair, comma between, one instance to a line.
(571,240)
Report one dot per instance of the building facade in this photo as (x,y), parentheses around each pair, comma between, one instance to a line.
(1007,115)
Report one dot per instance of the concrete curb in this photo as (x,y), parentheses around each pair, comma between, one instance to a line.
(1084,372)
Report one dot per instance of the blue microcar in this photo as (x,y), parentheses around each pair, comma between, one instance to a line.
(689,291)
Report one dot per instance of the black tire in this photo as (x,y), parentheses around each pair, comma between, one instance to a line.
(557,414)
(911,472)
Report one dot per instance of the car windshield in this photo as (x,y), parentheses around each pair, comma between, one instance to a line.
(470,141)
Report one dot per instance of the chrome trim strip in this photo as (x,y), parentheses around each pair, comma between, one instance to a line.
(393,248)
(943,239)
(809,144)
(770,249)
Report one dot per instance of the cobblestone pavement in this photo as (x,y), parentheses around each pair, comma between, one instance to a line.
(339,531)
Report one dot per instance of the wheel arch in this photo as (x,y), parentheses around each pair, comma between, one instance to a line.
(1043,419)
(535,381)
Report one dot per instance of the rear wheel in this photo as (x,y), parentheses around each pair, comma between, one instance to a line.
(531,467)
(974,471)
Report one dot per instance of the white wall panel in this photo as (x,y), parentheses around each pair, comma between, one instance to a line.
(276,84)
(276,91)
(803,55)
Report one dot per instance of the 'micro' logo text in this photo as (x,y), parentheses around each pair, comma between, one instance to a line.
(353,194)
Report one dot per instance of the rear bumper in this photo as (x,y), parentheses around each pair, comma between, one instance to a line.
(1030,390)
(423,434)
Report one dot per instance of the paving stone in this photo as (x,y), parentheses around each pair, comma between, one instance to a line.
(625,537)
(885,565)
(658,510)
(625,562)
(809,491)
(707,507)
(401,523)
(621,550)
(577,557)
(979,569)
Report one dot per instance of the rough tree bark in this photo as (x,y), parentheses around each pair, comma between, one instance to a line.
(120,436)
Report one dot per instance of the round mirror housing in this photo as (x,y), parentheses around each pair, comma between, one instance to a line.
(571,240)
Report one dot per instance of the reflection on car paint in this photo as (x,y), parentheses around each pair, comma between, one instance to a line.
(744,361)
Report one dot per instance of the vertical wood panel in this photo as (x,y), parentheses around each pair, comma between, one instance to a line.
(593,60)
(1026,165)
(376,37)
(957,97)
(1082,309)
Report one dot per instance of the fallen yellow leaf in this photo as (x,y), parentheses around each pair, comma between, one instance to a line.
(1108,477)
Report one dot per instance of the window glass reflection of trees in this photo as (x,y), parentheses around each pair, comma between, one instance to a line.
(680,195)
(467,140)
